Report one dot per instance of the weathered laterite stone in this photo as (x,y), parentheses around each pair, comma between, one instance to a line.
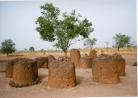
(42,62)
(104,70)
(9,67)
(92,54)
(61,74)
(120,62)
(75,56)
(85,62)
(51,58)
(64,59)
(25,73)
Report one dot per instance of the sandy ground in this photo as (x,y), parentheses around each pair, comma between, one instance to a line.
(85,86)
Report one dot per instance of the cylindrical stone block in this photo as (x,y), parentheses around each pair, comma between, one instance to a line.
(61,74)
(9,69)
(104,70)
(85,62)
(92,54)
(120,62)
(25,72)
(75,56)
(51,58)
(42,62)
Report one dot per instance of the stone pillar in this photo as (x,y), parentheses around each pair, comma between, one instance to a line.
(61,74)
(75,56)
(104,70)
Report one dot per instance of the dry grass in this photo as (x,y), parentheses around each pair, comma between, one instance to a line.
(123,51)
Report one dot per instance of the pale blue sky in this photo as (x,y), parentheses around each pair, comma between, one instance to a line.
(17,20)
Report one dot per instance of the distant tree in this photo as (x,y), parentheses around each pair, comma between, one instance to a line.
(121,40)
(8,46)
(32,49)
(25,50)
(42,50)
(61,28)
(90,42)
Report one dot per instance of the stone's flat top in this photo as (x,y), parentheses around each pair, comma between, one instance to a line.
(19,59)
(103,57)
(60,64)
(63,58)
(51,56)
(41,58)
(25,61)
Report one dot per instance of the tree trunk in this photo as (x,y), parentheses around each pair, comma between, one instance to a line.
(118,48)
(65,53)
(7,54)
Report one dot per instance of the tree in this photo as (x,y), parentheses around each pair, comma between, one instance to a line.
(25,50)
(121,40)
(42,50)
(90,42)
(32,49)
(61,28)
(8,46)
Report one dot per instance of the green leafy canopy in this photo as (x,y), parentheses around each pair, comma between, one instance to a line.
(121,40)
(90,42)
(31,49)
(62,28)
(8,46)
